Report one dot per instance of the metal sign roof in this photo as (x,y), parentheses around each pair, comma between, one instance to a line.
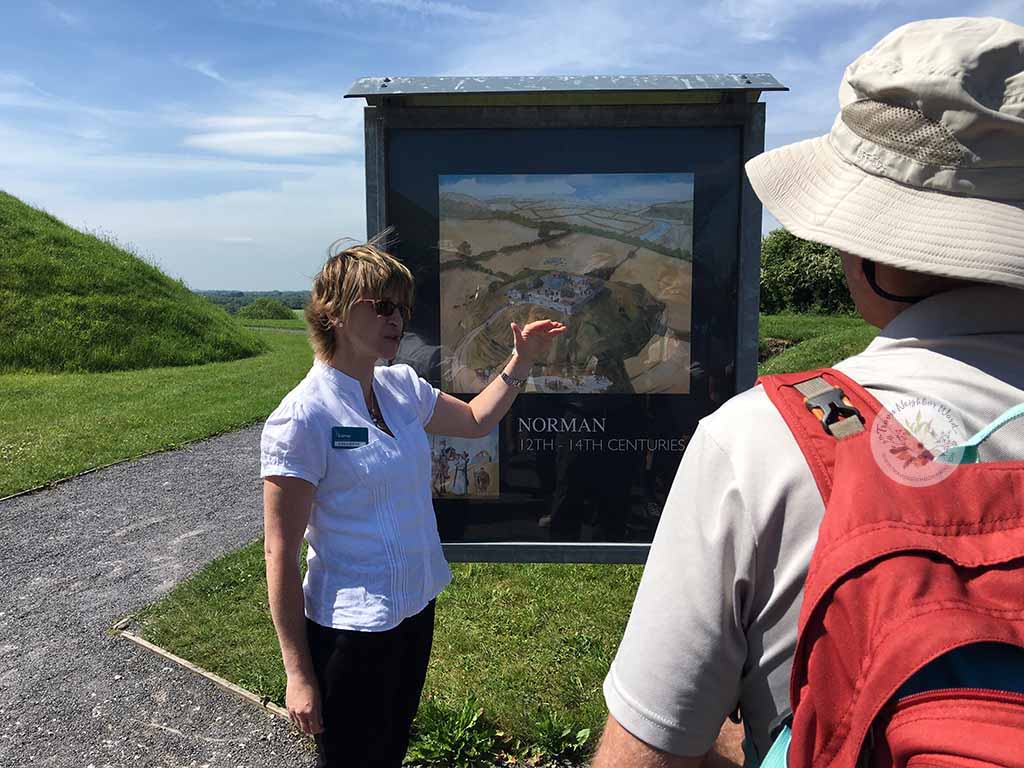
(408,86)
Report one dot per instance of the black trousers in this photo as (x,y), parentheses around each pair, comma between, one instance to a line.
(370,685)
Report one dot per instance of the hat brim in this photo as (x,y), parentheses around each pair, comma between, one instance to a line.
(819,196)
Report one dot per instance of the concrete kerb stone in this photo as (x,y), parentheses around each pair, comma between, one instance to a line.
(227,685)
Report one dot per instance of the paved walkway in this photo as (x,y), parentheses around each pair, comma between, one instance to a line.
(76,558)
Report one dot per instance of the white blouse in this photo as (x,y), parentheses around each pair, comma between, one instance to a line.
(374,555)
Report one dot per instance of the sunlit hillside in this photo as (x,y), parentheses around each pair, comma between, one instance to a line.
(70,301)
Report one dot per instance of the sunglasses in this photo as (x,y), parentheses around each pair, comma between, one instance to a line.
(385,307)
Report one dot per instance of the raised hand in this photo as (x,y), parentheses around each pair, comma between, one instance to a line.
(533,342)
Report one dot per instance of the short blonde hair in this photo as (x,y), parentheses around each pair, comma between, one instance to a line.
(363,270)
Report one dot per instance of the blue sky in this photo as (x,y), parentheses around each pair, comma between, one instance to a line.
(212,136)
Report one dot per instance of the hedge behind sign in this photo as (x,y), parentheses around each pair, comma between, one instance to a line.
(801,276)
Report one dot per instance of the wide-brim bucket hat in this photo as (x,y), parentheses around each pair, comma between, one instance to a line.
(924,166)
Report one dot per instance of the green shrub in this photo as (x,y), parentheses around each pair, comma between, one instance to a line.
(801,276)
(558,741)
(265,308)
(453,738)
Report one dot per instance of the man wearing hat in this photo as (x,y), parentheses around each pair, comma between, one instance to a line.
(920,186)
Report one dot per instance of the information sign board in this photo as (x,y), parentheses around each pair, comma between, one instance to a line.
(623,213)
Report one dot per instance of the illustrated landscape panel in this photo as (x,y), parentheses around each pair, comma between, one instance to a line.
(609,255)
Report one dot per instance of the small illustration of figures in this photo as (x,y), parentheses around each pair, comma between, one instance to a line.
(464,468)
(441,475)
(482,480)
(438,476)
(449,468)
(460,484)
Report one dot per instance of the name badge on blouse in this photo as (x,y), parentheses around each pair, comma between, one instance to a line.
(349,437)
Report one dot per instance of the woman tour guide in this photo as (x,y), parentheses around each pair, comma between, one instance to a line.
(346,465)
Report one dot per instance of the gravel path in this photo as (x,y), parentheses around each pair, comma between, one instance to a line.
(76,558)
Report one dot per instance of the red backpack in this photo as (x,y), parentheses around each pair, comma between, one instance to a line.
(903,581)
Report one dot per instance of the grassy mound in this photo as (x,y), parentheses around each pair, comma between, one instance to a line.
(72,302)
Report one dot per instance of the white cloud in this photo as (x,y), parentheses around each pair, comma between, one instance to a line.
(273,143)
(90,134)
(610,36)
(319,105)
(204,68)
(19,91)
(46,155)
(438,8)
(236,240)
(429,8)
(760,20)
(14,80)
(24,100)
(61,14)
(22,93)
(276,122)
(290,224)
(247,122)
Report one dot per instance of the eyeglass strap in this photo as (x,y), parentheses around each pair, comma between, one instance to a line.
(967,453)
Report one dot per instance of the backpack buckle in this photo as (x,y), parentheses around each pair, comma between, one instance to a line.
(834,409)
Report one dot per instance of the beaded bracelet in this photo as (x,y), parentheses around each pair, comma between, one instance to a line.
(512,381)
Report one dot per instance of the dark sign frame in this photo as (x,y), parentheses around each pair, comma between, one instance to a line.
(411,105)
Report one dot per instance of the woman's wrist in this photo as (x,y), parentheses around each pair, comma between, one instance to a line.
(518,367)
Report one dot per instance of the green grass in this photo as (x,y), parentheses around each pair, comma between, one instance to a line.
(53,426)
(800,327)
(70,301)
(817,340)
(297,324)
(524,641)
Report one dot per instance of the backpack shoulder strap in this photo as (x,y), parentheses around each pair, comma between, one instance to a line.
(821,408)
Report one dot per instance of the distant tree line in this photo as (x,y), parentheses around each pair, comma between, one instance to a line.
(232,301)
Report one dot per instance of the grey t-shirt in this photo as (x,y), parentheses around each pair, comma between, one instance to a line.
(714,621)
